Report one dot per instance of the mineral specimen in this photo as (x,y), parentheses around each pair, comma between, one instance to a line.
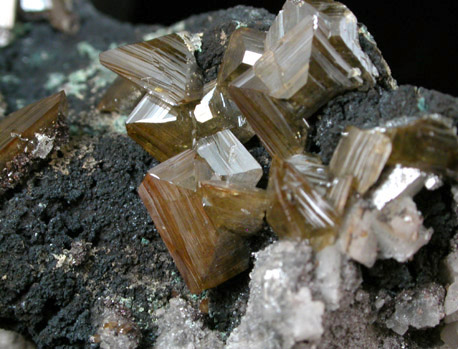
(362,154)
(122,97)
(298,210)
(311,55)
(29,134)
(165,67)
(203,229)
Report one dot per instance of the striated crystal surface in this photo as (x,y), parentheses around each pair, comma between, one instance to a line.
(245,47)
(362,154)
(165,67)
(429,143)
(229,159)
(232,207)
(313,53)
(216,112)
(162,129)
(297,209)
(340,191)
(121,97)
(204,255)
(280,127)
(29,133)
(313,170)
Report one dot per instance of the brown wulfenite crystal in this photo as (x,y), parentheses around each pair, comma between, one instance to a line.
(165,67)
(311,55)
(298,210)
(30,134)
(200,207)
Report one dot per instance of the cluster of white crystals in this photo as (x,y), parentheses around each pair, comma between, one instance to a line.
(178,328)
(422,308)
(450,332)
(281,310)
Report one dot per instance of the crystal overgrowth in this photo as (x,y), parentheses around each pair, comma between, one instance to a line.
(165,67)
(199,206)
(28,134)
(311,54)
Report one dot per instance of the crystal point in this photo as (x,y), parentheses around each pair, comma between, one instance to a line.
(30,133)
(245,47)
(165,67)
(203,225)
(229,158)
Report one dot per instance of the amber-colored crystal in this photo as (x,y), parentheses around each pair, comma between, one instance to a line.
(165,67)
(313,170)
(429,143)
(340,191)
(235,208)
(205,250)
(279,126)
(362,154)
(216,112)
(121,97)
(28,134)
(297,210)
(162,129)
(246,46)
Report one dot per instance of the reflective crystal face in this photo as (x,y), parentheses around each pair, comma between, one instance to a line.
(313,46)
(279,126)
(29,133)
(229,158)
(362,154)
(245,47)
(160,128)
(202,221)
(298,210)
(165,67)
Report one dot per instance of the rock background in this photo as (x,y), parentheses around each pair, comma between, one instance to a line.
(80,260)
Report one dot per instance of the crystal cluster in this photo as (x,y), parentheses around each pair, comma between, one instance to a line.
(203,197)
(30,134)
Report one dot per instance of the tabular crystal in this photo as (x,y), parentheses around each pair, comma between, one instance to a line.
(429,143)
(165,67)
(297,210)
(201,217)
(362,154)
(30,133)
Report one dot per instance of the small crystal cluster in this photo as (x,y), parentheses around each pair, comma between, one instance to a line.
(203,197)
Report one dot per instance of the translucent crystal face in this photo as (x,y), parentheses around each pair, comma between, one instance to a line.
(165,67)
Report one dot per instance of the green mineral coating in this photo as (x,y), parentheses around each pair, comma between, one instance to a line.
(422,104)
(10,79)
(38,58)
(145,241)
(164,31)
(54,81)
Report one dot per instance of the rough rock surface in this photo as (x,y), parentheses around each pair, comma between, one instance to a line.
(79,256)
